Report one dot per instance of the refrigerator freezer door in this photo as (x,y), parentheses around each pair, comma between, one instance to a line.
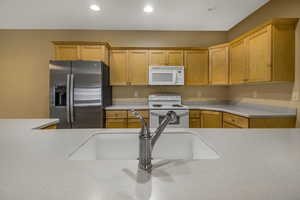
(59,94)
(86,100)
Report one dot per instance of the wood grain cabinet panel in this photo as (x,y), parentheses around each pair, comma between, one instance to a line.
(195,122)
(236,120)
(119,67)
(211,119)
(157,57)
(138,67)
(93,53)
(219,65)
(66,52)
(227,125)
(258,47)
(136,123)
(112,114)
(116,123)
(196,67)
(175,58)
(237,62)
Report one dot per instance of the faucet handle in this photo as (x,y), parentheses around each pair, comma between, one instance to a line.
(137,114)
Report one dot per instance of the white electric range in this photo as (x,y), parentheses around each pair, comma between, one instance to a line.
(160,104)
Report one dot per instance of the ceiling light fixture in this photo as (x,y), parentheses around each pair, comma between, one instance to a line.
(148,9)
(95,7)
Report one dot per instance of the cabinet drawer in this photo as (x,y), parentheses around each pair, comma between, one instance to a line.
(144,113)
(195,123)
(195,113)
(116,123)
(226,125)
(236,120)
(116,114)
(135,123)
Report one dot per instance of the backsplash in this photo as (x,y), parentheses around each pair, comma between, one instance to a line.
(188,93)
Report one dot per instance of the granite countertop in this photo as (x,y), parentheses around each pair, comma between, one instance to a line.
(255,164)
(242,109)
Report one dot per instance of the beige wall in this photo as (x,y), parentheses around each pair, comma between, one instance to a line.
(24,57)
(273,94)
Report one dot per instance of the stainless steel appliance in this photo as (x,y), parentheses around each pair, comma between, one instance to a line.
(161,104)
(79,91)
(166,75)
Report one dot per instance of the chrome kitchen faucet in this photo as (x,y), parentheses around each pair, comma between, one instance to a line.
(148,140)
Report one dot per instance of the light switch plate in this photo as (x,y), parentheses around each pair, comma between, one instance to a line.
(136,94)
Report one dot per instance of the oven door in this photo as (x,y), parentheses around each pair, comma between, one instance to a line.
(162,77)
(157,116)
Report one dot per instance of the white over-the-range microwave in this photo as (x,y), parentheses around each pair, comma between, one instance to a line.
(166,75)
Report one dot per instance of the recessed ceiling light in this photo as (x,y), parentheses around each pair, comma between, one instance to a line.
(95,7)
(148,9)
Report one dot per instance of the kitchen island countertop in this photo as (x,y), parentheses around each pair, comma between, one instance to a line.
(254,164)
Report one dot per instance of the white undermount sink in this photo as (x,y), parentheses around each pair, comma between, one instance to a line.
(124,146)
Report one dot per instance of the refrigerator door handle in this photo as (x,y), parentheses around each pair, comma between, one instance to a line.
(72,97)
(68,98)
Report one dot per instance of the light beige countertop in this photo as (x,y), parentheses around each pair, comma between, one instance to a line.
(254,165)
(242,109)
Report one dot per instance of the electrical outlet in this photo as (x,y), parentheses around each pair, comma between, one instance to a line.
(136,94)
(254,94)
(295,96)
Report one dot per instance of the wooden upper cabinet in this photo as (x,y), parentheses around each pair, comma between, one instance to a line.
(196,67)
(76,50)
(175,57)
(237,60)
(166,57)
(157,57)
(119,67)
(138,67)
(66,52)
(258,47)
(219,65)
(94,53)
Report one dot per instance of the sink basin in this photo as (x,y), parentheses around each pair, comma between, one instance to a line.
(124,146)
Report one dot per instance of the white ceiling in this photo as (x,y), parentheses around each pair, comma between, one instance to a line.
(125,14)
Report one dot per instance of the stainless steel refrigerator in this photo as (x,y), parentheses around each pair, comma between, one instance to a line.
(79,91)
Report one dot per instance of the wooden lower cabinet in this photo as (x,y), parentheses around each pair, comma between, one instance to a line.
(211,119)
(195,120)
(124,119)
(227,125)
(244,122)
(116,123)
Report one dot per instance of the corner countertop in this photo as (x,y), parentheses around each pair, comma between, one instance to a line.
(242,109)
(255,164)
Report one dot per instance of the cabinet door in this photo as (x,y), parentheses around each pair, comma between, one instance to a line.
(157,57)
(259,55)
(226,125)
(219,66)
(136,123)
(211,119)
(237,56)
(116,123)
(92,52)
(196,67)
(175,58)
(195,123)
(66,52)
(138,67)
(118,67)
